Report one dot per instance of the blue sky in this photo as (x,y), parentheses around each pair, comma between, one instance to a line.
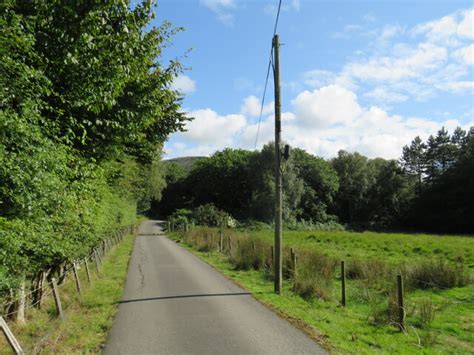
(363,76)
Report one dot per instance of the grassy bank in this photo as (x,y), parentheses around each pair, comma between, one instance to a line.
(87,320)
(439,317)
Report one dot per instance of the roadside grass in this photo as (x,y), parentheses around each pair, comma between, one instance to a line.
(438,320)
(88,319)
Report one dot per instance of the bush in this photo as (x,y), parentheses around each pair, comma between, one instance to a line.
(180,218)
(315,275)
(371,270)
(436,274)
(251,254)
(203,239)
(209,215)
(426,312)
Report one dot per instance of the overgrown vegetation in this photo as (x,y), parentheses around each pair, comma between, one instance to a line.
(88,319)
(85,106)
(438,287)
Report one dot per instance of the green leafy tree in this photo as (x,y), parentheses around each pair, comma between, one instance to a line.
(351,203)
(85,106)
(413,159)
(107,91)
(320,185)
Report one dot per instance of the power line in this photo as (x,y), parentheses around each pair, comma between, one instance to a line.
(268,74)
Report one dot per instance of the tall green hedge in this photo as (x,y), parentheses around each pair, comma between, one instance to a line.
(85,106)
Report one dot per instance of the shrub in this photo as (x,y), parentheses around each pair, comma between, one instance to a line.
(251,254)
(180,217)
(209,215)
(436,274)
(426,312)
(315,274)
(385,310)
(371,271)
(203,239)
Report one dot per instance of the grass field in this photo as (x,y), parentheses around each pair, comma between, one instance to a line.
(391,247)
(87,322)
(439,316)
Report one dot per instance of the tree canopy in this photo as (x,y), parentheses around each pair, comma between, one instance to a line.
(430,188)
(85,107)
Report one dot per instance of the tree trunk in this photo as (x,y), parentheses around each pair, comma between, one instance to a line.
(20,315)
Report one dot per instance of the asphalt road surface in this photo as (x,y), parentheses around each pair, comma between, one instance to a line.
(174,303)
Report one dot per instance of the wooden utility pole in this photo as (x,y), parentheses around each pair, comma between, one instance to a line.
(278,178)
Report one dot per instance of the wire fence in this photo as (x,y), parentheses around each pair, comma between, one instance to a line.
(36,296)
(389,301)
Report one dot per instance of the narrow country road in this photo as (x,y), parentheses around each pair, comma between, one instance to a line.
(174,303)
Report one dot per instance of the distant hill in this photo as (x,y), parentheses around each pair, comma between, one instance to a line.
(186,162)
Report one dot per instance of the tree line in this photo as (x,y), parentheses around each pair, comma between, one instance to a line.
(430,188)
(85,106)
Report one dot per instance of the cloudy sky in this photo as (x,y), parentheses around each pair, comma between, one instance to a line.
(364,76)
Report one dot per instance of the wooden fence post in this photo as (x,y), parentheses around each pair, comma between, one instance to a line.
(343,284)
(76,277)
(401,307)
(10,337)
(88,272)
(293,261)
(97,260)
(221,247)
(57,300)
(39,294)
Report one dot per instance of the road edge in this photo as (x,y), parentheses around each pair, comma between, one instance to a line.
(315,335)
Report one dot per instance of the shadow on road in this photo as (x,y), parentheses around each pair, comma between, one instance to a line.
(186,296)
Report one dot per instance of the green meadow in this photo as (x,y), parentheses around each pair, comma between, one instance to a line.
(438,285)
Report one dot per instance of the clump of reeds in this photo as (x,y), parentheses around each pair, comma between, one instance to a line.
(315,275)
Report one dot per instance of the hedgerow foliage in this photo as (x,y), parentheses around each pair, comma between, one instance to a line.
(85,106)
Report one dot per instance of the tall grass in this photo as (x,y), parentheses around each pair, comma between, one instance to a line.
(315,275)
(374,279)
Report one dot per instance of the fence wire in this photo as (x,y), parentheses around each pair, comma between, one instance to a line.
(46,291)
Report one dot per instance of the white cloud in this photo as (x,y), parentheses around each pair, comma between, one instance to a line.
(449,29)
(208,126)
(466,27)
(425,57)
(434,57)
(466,54)
(318,78)
(369,130)
(327,106)
(184,84)
(390,31)
(223,9)
(457,86)
(252,106)
(292,5)
(323,122)
(384,94)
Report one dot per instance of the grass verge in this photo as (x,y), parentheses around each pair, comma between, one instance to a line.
(88,319)
(438,321)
